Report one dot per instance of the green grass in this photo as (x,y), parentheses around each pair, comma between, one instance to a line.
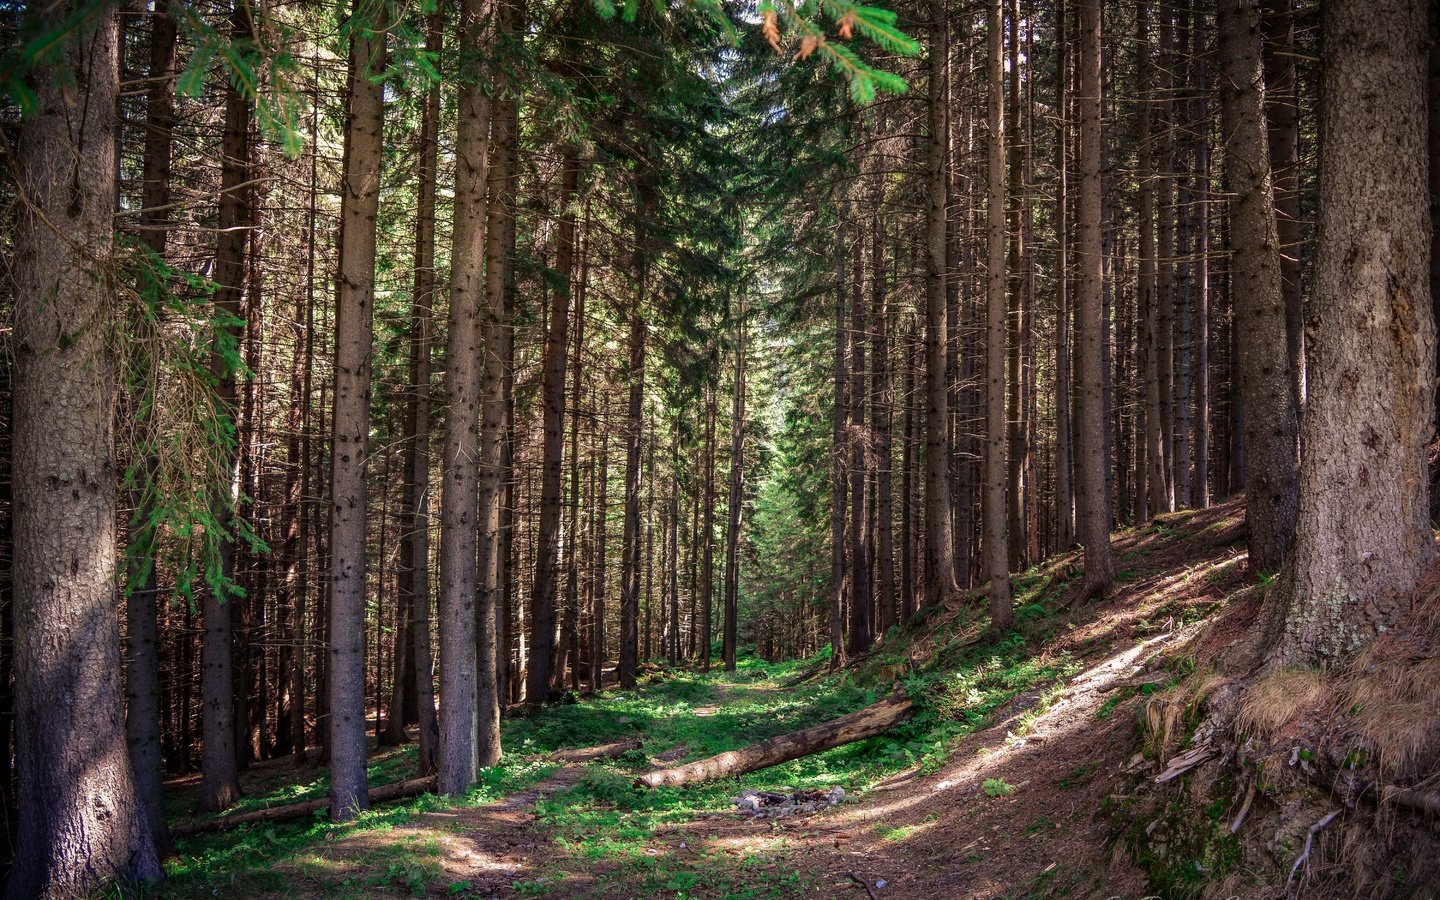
(602,831)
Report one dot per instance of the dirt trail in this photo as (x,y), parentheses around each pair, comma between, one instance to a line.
(1009,814)
(944,835)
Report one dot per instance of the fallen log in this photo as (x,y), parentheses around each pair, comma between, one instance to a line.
(399,790)
(877,718)
(604,751)
(384,793)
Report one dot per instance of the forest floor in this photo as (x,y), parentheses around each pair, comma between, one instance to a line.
(1005,785)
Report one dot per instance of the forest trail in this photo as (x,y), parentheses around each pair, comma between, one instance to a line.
(1004,792)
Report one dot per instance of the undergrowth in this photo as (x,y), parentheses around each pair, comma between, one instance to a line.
(604,831)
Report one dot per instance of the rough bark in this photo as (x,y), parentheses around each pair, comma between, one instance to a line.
(859,636)
(1064,486)
(1270,415)
(552,394)
(1282,111)
(1090,462)
(142,648)
(736,497)
(415,557)
(634,427)
(881,418)
(492,563)
(459,495)
(996,509)
(79,826)
(1363,536)
(940,580)
(350,420)
(219,769)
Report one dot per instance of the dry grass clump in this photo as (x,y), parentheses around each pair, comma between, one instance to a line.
(1280,697)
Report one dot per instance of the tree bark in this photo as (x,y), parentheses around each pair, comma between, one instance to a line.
(881,419)
(496,394)
(350,423)
(459,506)
(1363,534)
(875,719)
(1282,109)
(996,508)
(634,427)
(79,826)
(415,546)
(859,637)
(940,579)
(1090,469)
(220,784)
(736,498)
(552,393)
(142,660)
(1270,415)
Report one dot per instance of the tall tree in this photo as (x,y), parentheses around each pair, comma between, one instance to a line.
(459,500)
(1363,536)
(142,660)
(552,392)
(415,497)
(736,498)
(350,423)
(219,773)
(1090,463)
(996,510)
(1271,454)
(940,580)
(79,826)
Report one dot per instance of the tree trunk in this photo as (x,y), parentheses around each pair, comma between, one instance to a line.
(1064,487)
(634,427)
(996,509)
(881,419)
(733,504)
(838,484)
(459,496)
(415,500)
(859,636)
(79,823)
(1270,416)
(496,393)
(707,564)
(1363,534)
(220,784)
(354,310)
(1282,110)
(940,581)
(1090,464)
(142,660)
(552,394)
(1200,305)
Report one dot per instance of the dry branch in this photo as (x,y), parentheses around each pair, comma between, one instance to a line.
(399,790)
(875,719)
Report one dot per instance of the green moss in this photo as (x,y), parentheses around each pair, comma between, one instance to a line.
(1180,851)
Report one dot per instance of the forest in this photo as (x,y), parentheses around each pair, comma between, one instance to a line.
(719,448)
